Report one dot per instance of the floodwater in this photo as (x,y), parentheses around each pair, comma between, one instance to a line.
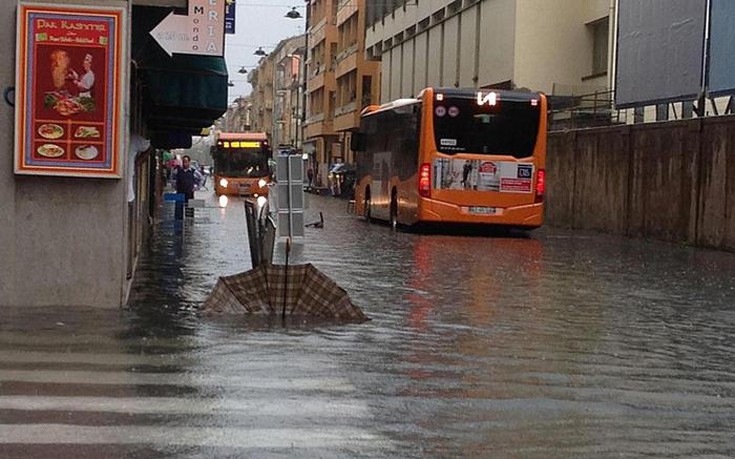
(553,345)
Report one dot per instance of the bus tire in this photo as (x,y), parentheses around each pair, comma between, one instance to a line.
(393,220)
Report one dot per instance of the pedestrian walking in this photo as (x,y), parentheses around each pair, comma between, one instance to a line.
(310,176)
(186,178)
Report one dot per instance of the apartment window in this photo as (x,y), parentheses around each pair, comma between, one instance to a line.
(424,24)
(600,43)
(455,6)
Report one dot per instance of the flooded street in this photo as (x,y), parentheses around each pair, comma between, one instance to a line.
(554,345)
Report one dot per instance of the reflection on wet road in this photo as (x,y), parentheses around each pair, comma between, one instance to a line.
(559,344)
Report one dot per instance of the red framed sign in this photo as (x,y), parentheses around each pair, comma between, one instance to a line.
(69,90)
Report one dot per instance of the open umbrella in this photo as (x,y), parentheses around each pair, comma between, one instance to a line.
(299,290)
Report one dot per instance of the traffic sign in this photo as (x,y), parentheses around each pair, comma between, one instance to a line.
(201,32)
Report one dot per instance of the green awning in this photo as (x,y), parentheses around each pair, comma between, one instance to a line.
(183,93)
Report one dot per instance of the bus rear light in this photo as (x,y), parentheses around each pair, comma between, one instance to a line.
(540,185)
(425,180)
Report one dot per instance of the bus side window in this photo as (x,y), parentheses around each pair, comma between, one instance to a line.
(357,142)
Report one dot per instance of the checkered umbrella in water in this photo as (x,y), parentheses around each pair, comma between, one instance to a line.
(299,290)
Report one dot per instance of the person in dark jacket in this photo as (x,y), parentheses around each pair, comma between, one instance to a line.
(187,178)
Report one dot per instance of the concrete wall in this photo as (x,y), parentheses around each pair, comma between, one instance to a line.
(62,240)
(672,181)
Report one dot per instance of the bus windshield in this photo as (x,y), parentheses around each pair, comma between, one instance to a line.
(241,162)
(503,127)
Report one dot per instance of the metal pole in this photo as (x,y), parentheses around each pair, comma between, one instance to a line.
(290,198)
(285,279)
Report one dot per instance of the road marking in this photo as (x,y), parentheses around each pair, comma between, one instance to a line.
(317,437)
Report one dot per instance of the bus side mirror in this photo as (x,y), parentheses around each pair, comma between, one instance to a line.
(357,141)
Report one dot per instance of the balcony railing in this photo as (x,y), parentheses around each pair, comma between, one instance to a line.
(346,52)
(350,107)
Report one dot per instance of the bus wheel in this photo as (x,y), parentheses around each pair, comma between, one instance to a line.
(393,210)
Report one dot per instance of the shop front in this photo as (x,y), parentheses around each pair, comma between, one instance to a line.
(95,97)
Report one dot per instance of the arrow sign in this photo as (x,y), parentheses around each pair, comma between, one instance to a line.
(200,32)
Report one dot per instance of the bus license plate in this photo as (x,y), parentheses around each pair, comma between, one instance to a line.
(483,210)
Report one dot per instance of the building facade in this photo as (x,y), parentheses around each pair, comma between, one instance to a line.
(554,46)
(357,78)
(321,143)
(276,98)
(238,117)
(73,240)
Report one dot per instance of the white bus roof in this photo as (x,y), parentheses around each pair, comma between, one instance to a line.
(395,104)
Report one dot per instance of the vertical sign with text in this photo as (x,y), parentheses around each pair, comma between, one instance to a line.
(69,90)
(230,16)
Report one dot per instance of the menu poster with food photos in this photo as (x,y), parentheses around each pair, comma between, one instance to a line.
(68,90)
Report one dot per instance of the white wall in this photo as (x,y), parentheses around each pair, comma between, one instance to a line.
(450,56)
(469,52)
(407,74)
(534,43)
(554,44)
(420,66)
(497,39)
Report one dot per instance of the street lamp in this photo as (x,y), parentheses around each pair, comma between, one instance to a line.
(242,70)
(301,112)
(260,52)
(293,14)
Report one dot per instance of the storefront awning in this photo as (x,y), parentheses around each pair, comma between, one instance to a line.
(182,93)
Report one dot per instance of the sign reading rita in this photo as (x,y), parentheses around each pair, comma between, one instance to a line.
(201,32)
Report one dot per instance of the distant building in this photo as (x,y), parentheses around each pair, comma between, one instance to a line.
(276,91)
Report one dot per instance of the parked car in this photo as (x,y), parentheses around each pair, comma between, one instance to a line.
(342,179)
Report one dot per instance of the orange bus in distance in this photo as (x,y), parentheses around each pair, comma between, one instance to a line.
(452,155)
(241,163)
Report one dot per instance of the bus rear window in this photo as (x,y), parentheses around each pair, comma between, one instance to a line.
(508,127)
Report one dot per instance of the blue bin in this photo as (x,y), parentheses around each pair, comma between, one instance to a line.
(179,199)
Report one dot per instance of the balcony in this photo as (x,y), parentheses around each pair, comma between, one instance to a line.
(347,108)
(346,117)
(315,82)
(318,32)
(317,129)
(326,80)
(345,11)
(346,60)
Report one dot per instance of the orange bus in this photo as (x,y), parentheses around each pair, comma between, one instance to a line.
(453,156)
(241,163)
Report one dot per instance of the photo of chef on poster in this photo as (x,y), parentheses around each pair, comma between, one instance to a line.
(71,91)
(70,104)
